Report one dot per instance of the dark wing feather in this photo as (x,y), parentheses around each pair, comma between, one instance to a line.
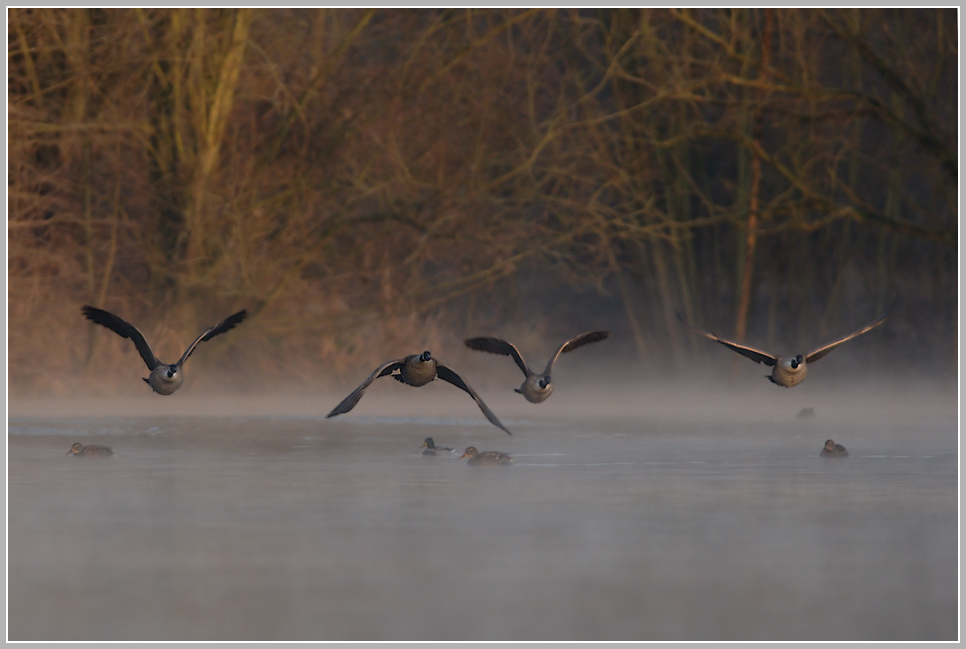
(750,352)
(498,346)
(350,401)
(450,376)
(816,354)
(123,329)
(574,343)
(220,328)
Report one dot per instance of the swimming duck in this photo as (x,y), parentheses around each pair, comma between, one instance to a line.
(92,450)
(486,458)
(432,449)
(165,378)
(833,450)
(536,387)
(788,371)
(416,370)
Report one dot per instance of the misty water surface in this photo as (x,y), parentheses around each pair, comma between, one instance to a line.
(653,515)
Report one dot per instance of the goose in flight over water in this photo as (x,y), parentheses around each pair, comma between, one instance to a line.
(787,371)
(416,370)
(536,387)
(165,378)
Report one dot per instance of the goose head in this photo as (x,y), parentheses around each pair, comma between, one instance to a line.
(793,363)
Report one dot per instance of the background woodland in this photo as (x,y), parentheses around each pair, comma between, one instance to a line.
(372,183)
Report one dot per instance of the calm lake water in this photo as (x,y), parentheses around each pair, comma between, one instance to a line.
(642,520)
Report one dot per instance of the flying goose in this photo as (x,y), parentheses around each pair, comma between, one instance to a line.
(832,449)
(415,370)
(165,378)
(486,458)
(788,371)
(536,387)
(432,449)
(91,450)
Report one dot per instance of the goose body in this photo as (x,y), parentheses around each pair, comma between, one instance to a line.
(536,386)
(165,378)
(416,370)
(486,458)
(831,449)
(91,450)
(787,371)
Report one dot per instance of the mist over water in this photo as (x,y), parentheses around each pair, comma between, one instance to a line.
(644,512)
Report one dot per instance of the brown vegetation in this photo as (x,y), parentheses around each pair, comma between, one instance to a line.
(415,176)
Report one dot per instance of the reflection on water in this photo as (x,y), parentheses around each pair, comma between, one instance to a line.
(615,527)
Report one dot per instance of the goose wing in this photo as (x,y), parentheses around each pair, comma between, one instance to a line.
(816,354)
(756,355)
(450,376)
(350,401)
(498,346)
(124,329)
(220,328)
(574,343)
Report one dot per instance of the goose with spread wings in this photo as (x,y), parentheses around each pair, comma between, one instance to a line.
(787,371)
(536,387)
(165,378)
(416,370)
